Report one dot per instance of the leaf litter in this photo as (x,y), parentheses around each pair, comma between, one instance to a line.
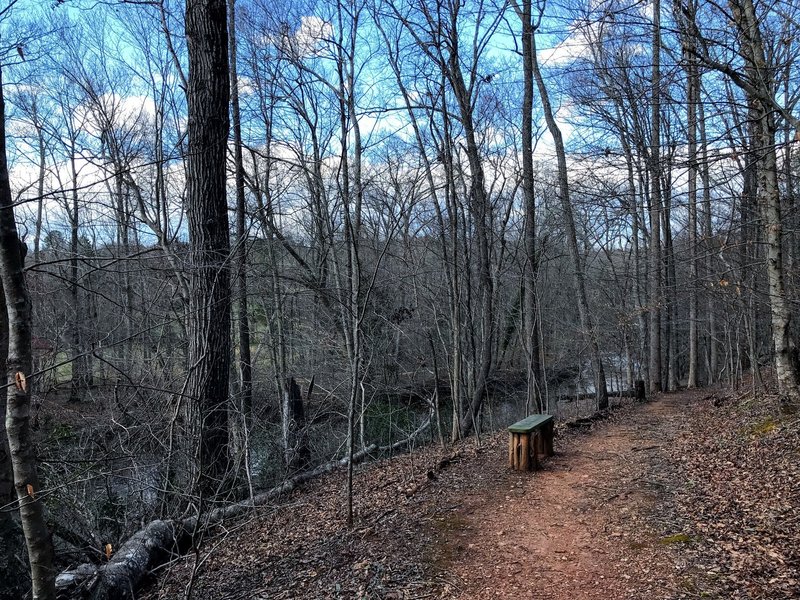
(690,496)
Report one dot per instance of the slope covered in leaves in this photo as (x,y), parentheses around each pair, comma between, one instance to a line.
(739,463)
(693,495)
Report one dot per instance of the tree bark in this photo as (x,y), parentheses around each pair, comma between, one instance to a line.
(708,243)
(18,368)
(81,371)
(760,76)
(15,578)
(243,320)
(655,208)
(208,96)
(530,312)
(296,451)
(692,102)
(670,315)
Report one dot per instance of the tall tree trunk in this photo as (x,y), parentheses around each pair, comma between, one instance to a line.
(19,363)
(243,319)
(81,378)
(530,313)
(14,580)
(449,245)
(670,292)
(456,280)
(587,322)
(655,208)
(481,211)
(692,102)
(760,76)
(708,243)
(208,96)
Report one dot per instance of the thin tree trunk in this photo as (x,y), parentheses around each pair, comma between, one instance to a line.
(480,210)
(37,234)
(19,363)
(708,244)
(671,312)
(243,319)
(530,313)
(655,208)
(587,322)
(692,102)
(80,376)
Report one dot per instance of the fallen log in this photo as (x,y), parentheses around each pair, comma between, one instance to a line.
(163,540)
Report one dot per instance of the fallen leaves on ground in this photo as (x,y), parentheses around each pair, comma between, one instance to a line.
(691,496)
(739,467)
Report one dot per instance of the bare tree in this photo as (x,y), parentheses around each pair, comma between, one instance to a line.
(531,311)
(208,96)
(654,276)
(587,322)
(242,318)
(756,78)
(18,365)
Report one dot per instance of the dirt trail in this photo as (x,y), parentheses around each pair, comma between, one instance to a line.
(591,525)
(587,526)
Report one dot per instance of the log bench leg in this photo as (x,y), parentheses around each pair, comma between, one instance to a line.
(517,451)
(548,439)
(528,440)
(524,450)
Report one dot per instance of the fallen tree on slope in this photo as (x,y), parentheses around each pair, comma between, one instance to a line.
(162,540)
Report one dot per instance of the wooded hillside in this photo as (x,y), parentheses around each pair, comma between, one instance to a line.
(247,242)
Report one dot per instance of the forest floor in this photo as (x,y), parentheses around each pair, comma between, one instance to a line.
(692,495)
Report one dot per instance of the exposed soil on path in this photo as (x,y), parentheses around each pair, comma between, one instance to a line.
(692,495)
(587,525)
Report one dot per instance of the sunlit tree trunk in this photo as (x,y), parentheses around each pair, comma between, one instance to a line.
(13,581)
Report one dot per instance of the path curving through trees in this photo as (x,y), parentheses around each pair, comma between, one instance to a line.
(588,526)
(690,495)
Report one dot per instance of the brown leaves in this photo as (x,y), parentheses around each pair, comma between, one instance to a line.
(108,550)
(31,493)
(741,470)
(690,499)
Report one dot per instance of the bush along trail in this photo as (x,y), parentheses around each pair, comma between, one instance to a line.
(692,495)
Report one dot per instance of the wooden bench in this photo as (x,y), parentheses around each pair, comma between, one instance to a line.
(529,438)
